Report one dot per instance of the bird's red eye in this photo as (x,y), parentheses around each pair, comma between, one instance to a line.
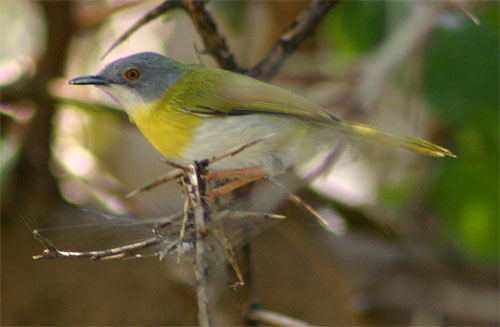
(132,74)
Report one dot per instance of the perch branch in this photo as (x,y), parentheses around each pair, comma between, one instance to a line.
(201,214)
(173,174)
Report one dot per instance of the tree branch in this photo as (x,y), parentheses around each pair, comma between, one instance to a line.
(292,38)
(215,44)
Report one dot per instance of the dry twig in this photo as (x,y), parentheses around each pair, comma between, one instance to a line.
(171,175)
(121,252)
(215,43)
(148,17)
(299,202)
(275,319)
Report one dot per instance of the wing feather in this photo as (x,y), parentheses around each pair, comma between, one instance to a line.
(216,93)
(223,93)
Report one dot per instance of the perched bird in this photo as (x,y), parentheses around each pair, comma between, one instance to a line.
(190,112)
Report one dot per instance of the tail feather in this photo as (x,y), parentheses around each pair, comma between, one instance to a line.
(380,136)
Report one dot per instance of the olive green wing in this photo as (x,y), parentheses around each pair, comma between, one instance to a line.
(216,93)
(223,93)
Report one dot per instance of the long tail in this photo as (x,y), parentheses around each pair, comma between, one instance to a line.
(380,136)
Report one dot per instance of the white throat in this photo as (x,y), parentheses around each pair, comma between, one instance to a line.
(127,99)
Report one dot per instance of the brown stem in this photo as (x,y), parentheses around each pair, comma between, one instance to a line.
(215,43)
(292,38)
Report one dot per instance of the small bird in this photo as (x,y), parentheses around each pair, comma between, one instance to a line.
(190,112)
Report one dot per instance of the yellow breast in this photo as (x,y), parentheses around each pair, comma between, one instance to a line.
(169,130)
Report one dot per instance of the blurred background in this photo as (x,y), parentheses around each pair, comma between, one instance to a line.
(414,240)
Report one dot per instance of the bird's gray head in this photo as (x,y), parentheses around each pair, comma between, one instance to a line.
(135,80)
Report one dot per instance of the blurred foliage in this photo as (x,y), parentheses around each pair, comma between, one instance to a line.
(356,27)
(460,81)
(461,73)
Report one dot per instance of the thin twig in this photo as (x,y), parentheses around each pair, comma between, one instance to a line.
(149,16)
(228,248)
(177,172)
(120,252)
(273,318)
(171,175)
(467,12)
(237,149)
(299,202)
(292,38)
(234,185)
(129,250)
(230,214)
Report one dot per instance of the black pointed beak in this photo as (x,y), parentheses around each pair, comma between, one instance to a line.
(88,80)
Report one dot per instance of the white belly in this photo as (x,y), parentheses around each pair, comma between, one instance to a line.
(288,142)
